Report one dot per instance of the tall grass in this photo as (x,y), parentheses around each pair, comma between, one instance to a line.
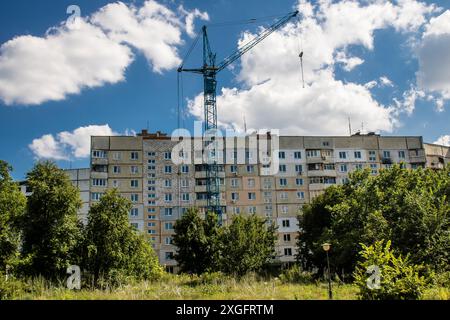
(175,287)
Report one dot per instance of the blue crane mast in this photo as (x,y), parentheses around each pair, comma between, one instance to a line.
(209,70)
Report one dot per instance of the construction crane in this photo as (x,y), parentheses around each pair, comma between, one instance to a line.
(209,70)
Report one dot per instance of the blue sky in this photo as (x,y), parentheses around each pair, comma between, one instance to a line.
(367,73)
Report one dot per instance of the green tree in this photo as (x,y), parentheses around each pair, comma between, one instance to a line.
(248,245)
(51,229)
(114,250)
(12,207)
(410,207)
(197,242)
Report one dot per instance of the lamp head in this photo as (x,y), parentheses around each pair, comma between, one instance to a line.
(326,246)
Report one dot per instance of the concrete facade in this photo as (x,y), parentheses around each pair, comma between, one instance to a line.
(143,170)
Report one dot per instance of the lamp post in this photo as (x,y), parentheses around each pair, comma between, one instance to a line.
(326,247)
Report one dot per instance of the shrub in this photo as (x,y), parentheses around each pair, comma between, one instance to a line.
(296,275)
(399,278)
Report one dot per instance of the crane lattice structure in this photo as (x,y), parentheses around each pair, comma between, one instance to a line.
(209,70)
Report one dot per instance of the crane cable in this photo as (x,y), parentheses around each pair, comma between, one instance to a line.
(300,49)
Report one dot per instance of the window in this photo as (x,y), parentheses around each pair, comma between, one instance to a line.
(283,182)
(185,183)
(250,169)
(99,182)
(134,183)
(343,168)
(167,155)
(326,144)
(151,202)
(358,166)
(282,168)
(151,224)
(152,195)
(151,161)
(185,169)
(168,225)
(251,196)
(236,210)
(287,237)
(134,212)
(134,155)
(285,209)
(267,183)
(99,154)
(168,240)
(298,168)
(281,155)
(401,154)
(299,182)
(151,168)
(312,153)
(234,183)
(357,154)
(116,169)
(234,196)
(249,155)
(135,225)
(134,170)
(117,156)
(297,155)
(300,195)
(233,169)
(151,182)
(169,256)
(251,210)
(283,195)
(286,223)
(328,166)
(288,251)
(168,169)
(386,154)
(251,183)
(167,183)
(168,197)
(373,167)
(151,154)
(185,197)
(151,216)
(115,184)
(134,197)
(168,212)
(151,231)
(342,155)
(95,196)
(372,156)
(151,210)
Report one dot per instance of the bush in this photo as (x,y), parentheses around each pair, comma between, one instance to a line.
(208,278)
(10,289)
(296,275)
(399,278)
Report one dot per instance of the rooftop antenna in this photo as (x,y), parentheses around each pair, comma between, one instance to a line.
(245,124)
(362,127)
(349,126)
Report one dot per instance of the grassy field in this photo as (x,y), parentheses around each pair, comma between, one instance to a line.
(183,287)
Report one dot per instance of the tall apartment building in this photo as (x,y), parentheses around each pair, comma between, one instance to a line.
(143,169)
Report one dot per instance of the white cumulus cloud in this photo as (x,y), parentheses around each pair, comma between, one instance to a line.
(443,140)
(434,60)
(92,52)
(327,29)
(67,145)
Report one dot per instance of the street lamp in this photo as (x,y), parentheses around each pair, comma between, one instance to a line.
(326,247)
